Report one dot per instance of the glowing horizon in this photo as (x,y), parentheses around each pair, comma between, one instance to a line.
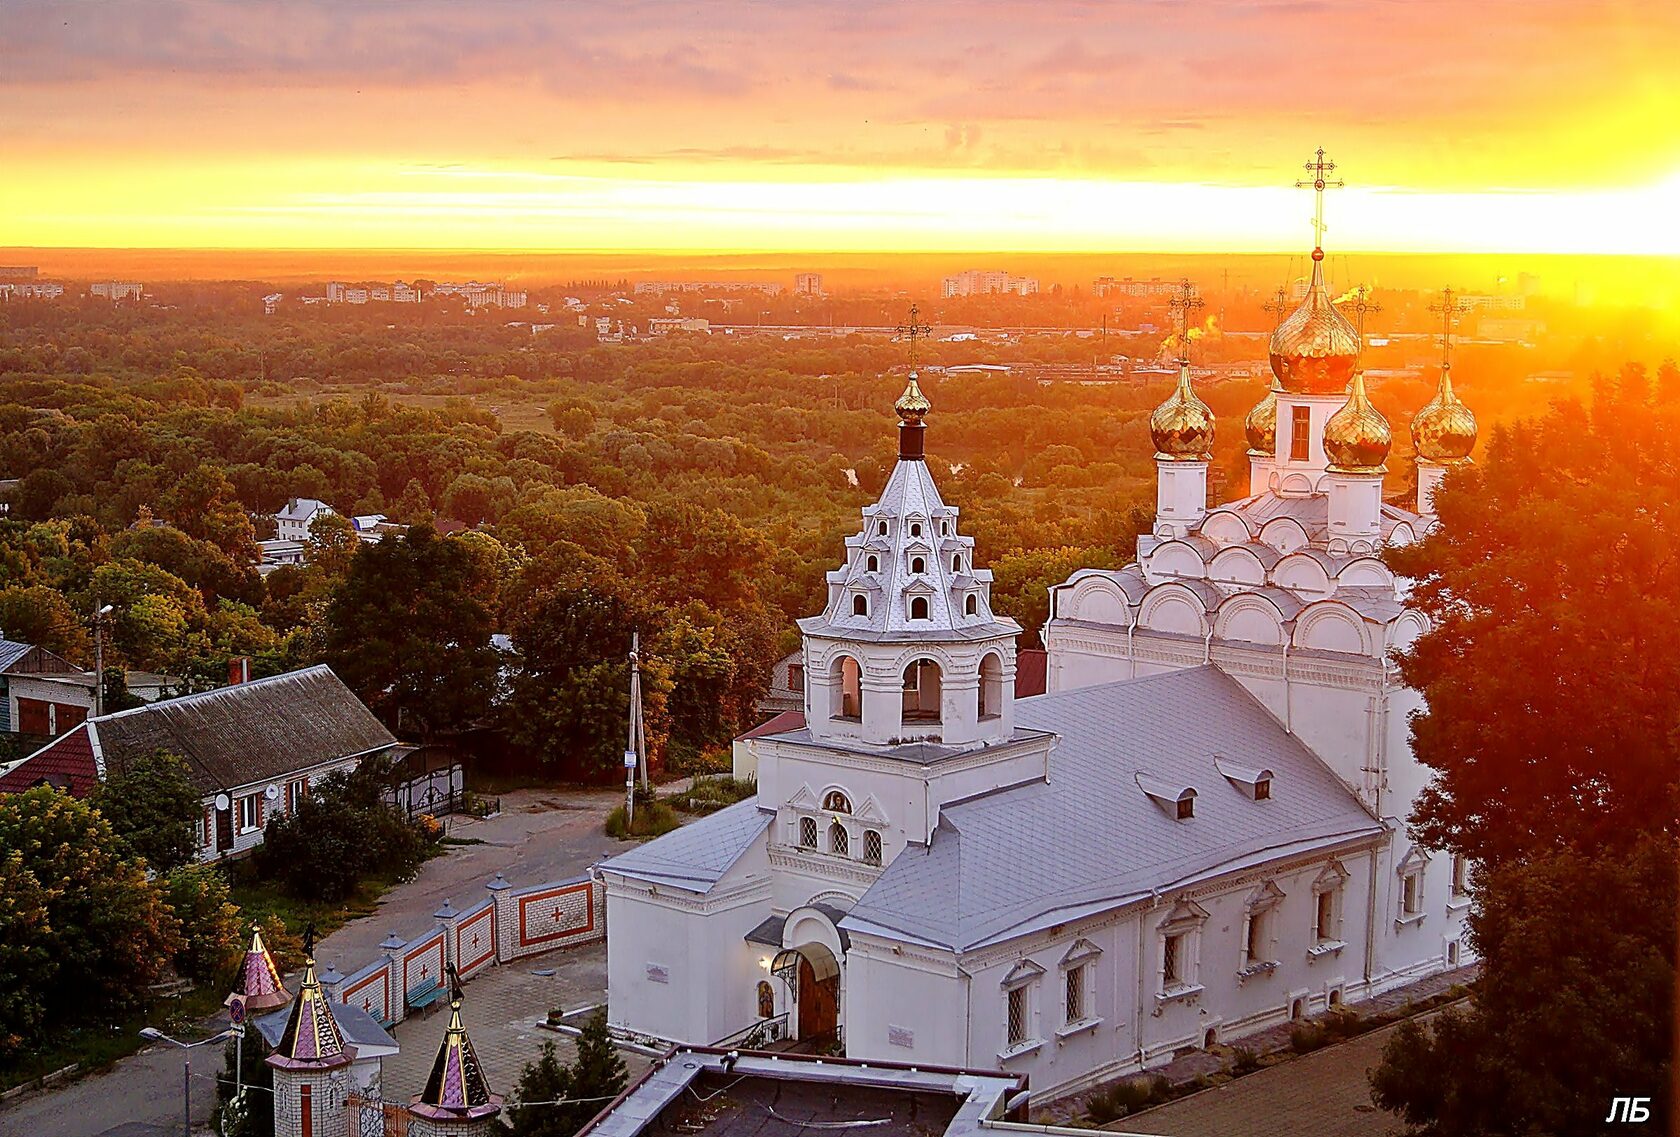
(1123,127)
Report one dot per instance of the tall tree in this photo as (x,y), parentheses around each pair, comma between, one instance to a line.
(409,631)
(151,806)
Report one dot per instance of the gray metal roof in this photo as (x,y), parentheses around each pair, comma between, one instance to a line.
(11,651)
(1089,838)
(359,1028)
(696,856)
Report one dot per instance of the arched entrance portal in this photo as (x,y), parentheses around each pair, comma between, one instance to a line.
(812,975)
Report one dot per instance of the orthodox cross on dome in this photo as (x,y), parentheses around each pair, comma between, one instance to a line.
(1182,305)
(913,331)
(1278,305)
(1362,305)
(1450,308)
(309,939)
(1320,169)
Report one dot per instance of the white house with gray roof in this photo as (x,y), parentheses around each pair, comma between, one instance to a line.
(1195,834)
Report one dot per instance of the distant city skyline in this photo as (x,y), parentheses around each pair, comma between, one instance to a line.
(1499,126)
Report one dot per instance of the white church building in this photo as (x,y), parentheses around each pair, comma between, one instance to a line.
(1196,833)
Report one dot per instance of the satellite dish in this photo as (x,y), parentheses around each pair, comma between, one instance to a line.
(222,802)
(272,792)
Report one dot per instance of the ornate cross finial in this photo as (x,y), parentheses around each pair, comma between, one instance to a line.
(1320,169)
(309,938)
(914,331)
(1450,308)
(454,983)
(1182,305)
(1361,305)
(1278,305)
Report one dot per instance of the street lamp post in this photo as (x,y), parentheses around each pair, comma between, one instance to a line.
(153,1034)
(99,660)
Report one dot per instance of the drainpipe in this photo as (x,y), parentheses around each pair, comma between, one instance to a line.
(1137,1018)
(1288,693)
(1371,925)
(1131,652)
(1207,645)
(968,1019)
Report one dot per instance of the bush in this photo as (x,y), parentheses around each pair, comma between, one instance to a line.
(210,924)
(342,833)
(1342,1023)
(151,807)
(653,819)
(1127,1096)
(708,795)
(1246,1061)
(1305,1037)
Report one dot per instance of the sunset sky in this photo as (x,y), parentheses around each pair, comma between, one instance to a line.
(1499,125)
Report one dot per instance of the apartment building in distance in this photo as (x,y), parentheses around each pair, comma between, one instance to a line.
(659,287)
(1106,286)
(117,290)
(979,282)
(808,284)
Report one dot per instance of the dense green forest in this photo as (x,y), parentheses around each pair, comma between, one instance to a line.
(696,489)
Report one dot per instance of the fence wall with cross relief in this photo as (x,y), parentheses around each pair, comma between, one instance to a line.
(508,924)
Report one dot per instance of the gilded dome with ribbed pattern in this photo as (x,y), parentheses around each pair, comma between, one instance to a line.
(1444,430)
(1315,349)
(1182,427)
(912,406)
(1357,438)
(1261,426)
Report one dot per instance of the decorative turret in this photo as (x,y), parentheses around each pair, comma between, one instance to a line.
(257,987)
(1182,430)
(457,1099)
(1260,427)
(1444,430)
(310,1087)
(1314,350)
(907,647)
(1357,438)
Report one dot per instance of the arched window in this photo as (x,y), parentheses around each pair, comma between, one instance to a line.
(871,846)
(956,562)
(918,608)
(991,685)
(922,692)
(873,564)
(838,842)
(808,832)
(766,1000)
(860,605)
(915,529)
(944,528)
(917,564)
(881,528)
(971,606)
(845,687)
(836,802)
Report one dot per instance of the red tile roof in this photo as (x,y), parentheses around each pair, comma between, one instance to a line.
(787,720)
(67,762)
(1031,670)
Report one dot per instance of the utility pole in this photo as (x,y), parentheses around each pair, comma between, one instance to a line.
(186,1098)
(636,739)
(99,659)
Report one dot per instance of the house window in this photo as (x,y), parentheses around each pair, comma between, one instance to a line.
(839,843)
(915,529)
(1073,995)
(1300,434)
(1254,943)
(881,528)
(1186,807)
(918,608)
(871,847)
(808,832)
(295,793)
(1411,894)
(860,605)
(956,562)
(1017,1015)
(1172,961)
(1460,876)
(944,528)
(1262,789)
(1324,921)
(247,818)
(836,802)
(873,564)
(971,606)
(918,565)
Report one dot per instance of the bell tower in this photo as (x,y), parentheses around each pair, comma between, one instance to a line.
(908,648)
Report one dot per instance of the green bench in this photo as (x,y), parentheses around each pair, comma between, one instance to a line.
(425,997)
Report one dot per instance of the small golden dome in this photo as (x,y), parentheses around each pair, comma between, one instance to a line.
(912,406)
(1261,426)
(1315,349)
(1357,438)
(1444,430)
(1182,427)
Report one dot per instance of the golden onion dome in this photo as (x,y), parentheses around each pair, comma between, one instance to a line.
(1182,427)
(1315,349)
(1261,426)
(1357,438)
(1444,430)
(912,406)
